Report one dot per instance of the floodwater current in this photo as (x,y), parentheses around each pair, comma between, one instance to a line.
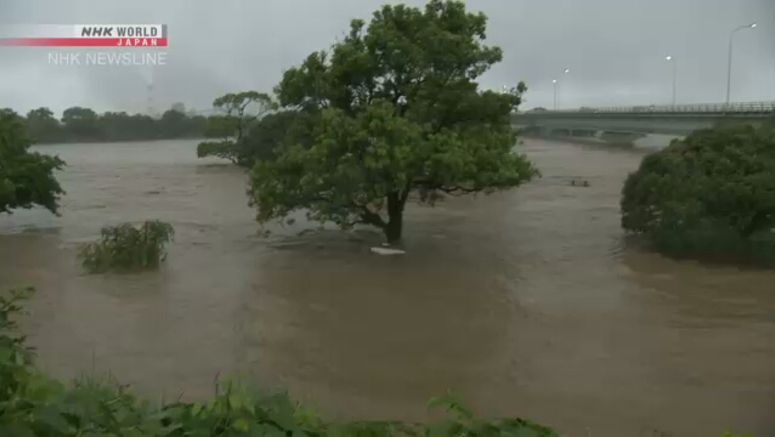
(529,302)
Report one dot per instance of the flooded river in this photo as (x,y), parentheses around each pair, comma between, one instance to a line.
(527,302)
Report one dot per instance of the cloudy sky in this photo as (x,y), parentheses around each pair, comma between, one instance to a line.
(614,48)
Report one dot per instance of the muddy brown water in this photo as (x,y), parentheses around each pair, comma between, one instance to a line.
(528,302)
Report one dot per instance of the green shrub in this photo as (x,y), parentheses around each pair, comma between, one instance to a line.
(710,195)
(125,247)
(32,404)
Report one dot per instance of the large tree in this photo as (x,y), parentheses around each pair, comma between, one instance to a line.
(397,108)
(173,124)
(26,178)
(82,124)
(42,126)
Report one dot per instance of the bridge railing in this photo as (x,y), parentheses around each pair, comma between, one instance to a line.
(737,108)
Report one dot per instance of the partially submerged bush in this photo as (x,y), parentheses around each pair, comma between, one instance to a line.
(32,404)
(709,195)
(125,247)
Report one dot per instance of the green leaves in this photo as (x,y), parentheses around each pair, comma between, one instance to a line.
(452,405)
(352,164)
(465,423)
(711,195)
(225,149)
(125,247)
(26,178)
(395,108)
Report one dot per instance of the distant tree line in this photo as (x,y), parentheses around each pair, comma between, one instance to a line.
(80,124)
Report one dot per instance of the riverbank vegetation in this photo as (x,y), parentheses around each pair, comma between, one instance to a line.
(240,111)
(392,108)
(711,195)
(26,178)
(80,124)
(33,404)
(126,247)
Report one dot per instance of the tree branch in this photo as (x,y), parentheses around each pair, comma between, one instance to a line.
(369,217)
(457,190)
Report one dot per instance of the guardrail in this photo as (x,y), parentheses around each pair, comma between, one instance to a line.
(720,108)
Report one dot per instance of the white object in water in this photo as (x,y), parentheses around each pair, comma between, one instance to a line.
(387,251)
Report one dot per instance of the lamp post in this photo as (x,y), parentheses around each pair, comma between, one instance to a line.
(729,58)
(673,61)
(565,70)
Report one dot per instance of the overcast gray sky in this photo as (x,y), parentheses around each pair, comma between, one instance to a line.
(615,49)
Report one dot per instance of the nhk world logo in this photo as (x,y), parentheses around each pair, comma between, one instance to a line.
(85,35)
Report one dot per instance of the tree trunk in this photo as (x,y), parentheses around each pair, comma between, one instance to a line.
(395,217)
(393,228)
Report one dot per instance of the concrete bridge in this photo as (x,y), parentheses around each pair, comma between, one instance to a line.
(627,124)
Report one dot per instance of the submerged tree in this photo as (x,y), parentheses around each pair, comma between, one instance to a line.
(26,178)
(126,247)
(240,110)
(396,109)
(711,194)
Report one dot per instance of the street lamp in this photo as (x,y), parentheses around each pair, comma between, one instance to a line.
(565,70)
(672,60)
(729,59)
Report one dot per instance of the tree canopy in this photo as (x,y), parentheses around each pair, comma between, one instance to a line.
(393,107)
(42,123)
(82,122)
(711,194)
(26,178)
